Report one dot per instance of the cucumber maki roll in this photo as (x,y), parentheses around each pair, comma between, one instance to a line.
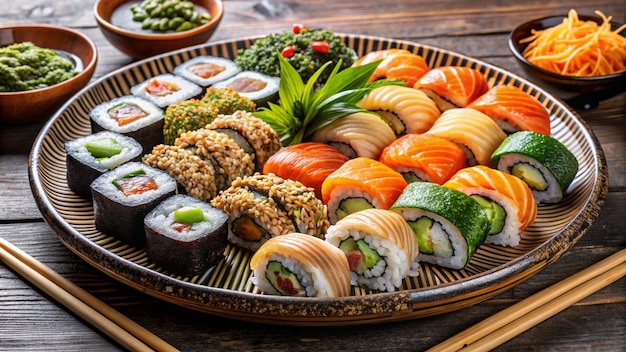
(166,89)
(185,235)
(542,161)
(207,70)
(90,156)
(123,197)
(255,86)
(449,225)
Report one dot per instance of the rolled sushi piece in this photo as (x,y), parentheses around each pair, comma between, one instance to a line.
(513,110)
(507,201)
(300,265)
(90,156)
(166,89)
(407,110)
(227,101)
(424,157)
(476,133)
(264,206)
(122,198)
(357,135)
(185,235)
(380,247)
(255,86)
(449,225)
(255,136)
(359,184)
(398,64)
(184,116)
(131,116)
(453,86)
(207,70)
(542,161)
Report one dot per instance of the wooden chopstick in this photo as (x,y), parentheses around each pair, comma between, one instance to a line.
(112,323)
(527,313)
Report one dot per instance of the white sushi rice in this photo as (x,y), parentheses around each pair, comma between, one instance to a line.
(230,69)
(76,148)
(312,283)
(100,114)
(187,90)
(552,194)
(271,87)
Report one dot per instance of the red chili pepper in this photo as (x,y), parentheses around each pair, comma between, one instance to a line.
(320,46)
(298,27)
(288,51)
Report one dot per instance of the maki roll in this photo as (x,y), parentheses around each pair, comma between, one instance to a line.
(122,197)
(227,101)
(252,134)
(207,70)
(357,135)
(264,206)
(131,116)
(359,184)
(185,235)
(424,157)
(166,89)
(255,86)
(542,161)
(453,86)
(449,225)
(407,110)
(184,116)
(380,247)
(395,63)
(90,156)
(507,201)
(299,265)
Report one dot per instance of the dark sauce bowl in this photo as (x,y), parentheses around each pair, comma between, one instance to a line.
(578,92)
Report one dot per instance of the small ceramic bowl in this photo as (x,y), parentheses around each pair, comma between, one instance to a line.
(578,92)
(115,21)
(37,105)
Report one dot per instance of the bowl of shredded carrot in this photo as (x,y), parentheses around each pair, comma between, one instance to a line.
(579,58)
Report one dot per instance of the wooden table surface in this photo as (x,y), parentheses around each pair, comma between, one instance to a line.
(31,321)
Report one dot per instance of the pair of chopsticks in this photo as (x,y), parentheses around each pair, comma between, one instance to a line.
(109,321)
(529,312)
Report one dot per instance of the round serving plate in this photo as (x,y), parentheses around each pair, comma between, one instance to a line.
(225,290)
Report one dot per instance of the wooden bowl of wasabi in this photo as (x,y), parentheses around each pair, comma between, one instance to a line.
(36,98)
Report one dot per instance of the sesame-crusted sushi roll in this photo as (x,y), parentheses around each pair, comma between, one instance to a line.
(184,116)
(542,161)
(166,89)
(131,116)
(255,86)
(252,134)
(185,235)
(449,225)
(299,265)
(122,197)
(90,156)
(207,70)
(380,247)
(194,174)
(264,206)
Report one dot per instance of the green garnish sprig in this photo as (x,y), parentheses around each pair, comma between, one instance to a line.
(304,108)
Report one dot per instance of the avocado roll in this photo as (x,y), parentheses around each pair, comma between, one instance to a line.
(255,86)
(207,70)
(449,225)
(90,156)
(185,235)
(131,116)
(542,161)
(297,264)
(166,89)
(379,245)
(122,197)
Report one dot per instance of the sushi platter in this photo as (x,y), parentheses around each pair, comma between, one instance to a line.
(227,289)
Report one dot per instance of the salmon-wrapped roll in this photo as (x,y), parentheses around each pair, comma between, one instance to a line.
(358,134)
(399,64)
(507,200)
(300,265)
(380,246)
(513,110)
(309,162)
(407,110)
(360,183)
(424,157)
(473,131)
(453,86)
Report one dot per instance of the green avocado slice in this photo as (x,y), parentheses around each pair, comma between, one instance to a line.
(351,205)
(494,211)
(283,280)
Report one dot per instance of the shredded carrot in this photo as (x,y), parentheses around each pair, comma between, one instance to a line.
(578,48)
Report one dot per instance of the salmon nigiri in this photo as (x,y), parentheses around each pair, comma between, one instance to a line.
(361,183)
(424,157)
(506,199)
(309,162)
(453,86)
(513,110)
(399,64)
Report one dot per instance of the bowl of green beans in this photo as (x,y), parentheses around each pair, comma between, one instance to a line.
(146,28)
